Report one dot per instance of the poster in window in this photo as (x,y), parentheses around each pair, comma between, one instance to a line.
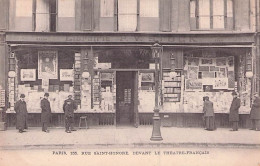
(28,74)
(147,77)
(206,61)
(220,83)
(193,61)
(66,75)
(193,72)
(193,84)
(221,61)
(48,65)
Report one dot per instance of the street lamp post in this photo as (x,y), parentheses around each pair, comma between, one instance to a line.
(156,134)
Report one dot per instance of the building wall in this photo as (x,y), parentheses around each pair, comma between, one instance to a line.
(174,16)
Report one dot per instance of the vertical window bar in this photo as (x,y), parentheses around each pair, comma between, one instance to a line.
(116,15)
(138,15)
(197,14)
(225,14)
(34,15)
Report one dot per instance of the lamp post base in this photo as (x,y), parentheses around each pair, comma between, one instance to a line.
(156,135)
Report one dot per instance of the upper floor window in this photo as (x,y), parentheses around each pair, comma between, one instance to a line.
(212,14)
(44,15)
(129,15)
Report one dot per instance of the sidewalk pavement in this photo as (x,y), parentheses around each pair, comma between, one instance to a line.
(128,137)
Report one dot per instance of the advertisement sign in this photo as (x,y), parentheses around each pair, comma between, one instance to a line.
(48,64)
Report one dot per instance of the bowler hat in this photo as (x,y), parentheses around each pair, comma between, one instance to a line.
(22,96)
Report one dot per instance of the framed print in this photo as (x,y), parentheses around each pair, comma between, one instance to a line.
(48,64)
(147,77)
(66,75)
(28,74)
(206,61)
(222,62)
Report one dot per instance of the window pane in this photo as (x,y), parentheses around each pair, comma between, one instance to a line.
(149,8)
(107,8)
(204,22)
(218,22)
(218,7)
(127,22)
(229,8)
(127,15)
(204,8)
(127,6)
(42,19)
(23,8)
(192,8)
(66,8)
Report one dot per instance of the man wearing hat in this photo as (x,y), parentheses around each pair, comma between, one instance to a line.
(46,113)
(69,107)
(234,112)
(255,113)
(21,114)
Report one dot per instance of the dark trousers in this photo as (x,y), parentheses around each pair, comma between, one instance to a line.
(256,124)
(45,126)
(235,126)
(68,123)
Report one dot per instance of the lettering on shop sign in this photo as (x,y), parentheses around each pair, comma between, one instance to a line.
(129,38)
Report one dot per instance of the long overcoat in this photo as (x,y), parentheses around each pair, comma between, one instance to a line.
(69,108)
(208,109)
(255,110)
(234,110)
(21,114)
(46,110)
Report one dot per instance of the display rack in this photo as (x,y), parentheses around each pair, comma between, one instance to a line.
(171,86)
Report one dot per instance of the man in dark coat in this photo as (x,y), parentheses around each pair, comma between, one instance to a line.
(71,108)
(255,113)
(21,114)
(46,112)
(234,111)
(208,114)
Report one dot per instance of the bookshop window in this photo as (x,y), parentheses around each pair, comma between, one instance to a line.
(45,15)
(211,14)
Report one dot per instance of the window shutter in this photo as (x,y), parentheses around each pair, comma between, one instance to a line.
(165,15)
(86,14)
(3,14)
(242,15)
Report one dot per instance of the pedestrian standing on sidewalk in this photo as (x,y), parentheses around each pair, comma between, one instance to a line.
(255,113)
(234,111)
(72,107)
(46,113)
(209,116)
(21,114)
(68,109)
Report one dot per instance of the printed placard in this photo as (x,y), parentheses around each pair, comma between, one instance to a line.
(220,83)
(193,84)
(66,75)
(48,64)
(28,74)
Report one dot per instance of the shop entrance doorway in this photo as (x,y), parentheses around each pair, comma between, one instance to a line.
(126,98)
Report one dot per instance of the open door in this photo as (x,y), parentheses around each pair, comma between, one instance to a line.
(127,98)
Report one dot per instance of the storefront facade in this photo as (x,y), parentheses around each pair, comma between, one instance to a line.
(111,76)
